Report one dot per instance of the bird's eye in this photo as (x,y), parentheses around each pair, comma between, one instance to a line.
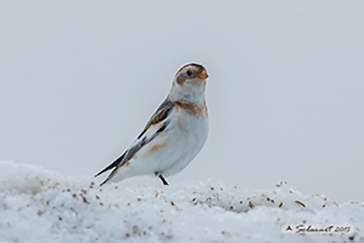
(188,73)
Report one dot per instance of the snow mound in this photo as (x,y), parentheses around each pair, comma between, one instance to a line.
(37,205)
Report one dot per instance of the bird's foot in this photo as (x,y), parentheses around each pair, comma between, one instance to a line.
(160,176)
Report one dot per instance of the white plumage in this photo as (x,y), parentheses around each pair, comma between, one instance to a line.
(174,135)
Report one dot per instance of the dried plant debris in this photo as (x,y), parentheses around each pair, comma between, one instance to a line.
(300,203)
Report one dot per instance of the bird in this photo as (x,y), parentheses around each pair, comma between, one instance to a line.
(174,134)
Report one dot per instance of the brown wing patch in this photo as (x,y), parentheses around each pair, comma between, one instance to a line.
(155,148)
(192,108)
(161,114)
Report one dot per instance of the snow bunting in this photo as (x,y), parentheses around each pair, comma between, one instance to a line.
(174,135)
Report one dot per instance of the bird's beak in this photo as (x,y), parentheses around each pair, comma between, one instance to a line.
(203,74)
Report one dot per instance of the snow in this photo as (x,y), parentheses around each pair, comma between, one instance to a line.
(37,205)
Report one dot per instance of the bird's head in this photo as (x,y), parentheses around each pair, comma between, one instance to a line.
(189,82)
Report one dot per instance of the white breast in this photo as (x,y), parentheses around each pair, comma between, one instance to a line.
(191,133)
(181,142)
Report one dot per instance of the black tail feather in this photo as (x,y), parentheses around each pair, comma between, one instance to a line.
(110,176)
(114,164)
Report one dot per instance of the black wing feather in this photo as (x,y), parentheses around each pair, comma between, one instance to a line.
(160,115)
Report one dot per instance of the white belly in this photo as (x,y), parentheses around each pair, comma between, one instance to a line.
(184,139)
(188,144)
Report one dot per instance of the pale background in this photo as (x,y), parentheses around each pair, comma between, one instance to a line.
(79,79)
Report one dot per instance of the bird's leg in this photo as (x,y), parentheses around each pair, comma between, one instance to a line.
(160,176)
(165,182)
